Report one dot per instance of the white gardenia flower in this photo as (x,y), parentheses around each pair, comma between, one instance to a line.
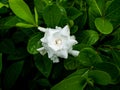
(57,43)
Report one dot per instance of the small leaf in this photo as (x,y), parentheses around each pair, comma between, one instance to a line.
(36,16)
(100,77)
(43,64)
(88,37)
(103,25)
(12,73)
(34,43)
(21,9)
(88,57)
(0,62)
(24,25)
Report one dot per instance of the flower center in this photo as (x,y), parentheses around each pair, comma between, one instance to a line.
(58,41)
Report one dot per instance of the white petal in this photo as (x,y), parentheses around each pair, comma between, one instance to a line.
(42,29)
(74,53)
(42,50)
(62,54)
(55,59)
(65,31)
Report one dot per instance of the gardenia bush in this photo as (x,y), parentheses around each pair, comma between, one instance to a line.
(59,44)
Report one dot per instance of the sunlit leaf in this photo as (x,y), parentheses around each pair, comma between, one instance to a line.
(103,25)
(21,9)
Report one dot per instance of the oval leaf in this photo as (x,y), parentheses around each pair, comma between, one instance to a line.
(21,9)
(52,15)
(103,25)
(88,37)
(88,57)
(110,68)
(100,77)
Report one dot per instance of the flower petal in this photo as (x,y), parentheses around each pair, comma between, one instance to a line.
(42,29)
(74,52)
(42,50)
(55,59)
(62,54)
(65,31)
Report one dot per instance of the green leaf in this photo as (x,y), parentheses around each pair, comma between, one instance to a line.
(24,25)
(36,15)
(44,82)
(73,13)
(103,25)
(34,43)
(96,8)
(88,57)
(2,5)
(113,13)
(43,64)
(100,77)
(52,15)
(12,73)
(0,62)
(21,9)
(88,37)
(75,81)
(110,68)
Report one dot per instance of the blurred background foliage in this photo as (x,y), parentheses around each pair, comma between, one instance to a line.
(96,25)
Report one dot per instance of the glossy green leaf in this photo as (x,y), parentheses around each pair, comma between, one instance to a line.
(34,43)
(52,15)
(100,77)
(103,25)
(110,68)
(75,81)
(88,37)
(21,9)
(12,73)
(0,62)
(43,64)
(88,57)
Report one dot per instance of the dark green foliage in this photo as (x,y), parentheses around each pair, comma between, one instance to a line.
(94,23)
